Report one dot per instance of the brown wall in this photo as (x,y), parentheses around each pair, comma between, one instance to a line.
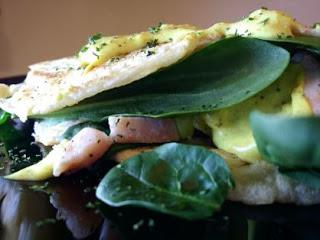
(36,30)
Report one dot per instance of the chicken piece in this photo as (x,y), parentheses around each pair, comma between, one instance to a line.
(81,151)
(142,130)
(86,147)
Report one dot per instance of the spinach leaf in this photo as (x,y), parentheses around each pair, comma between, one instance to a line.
(222,74)
(291,143)
(4,116)
(309,43)
(73,130)
(187,181)
(309,177)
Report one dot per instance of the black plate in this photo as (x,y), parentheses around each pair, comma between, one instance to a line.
(66,208)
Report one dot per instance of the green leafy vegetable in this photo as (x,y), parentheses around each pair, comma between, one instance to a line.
(185,126)
(310,177)
(290,143)
(4,116)
(73,130)
(183,180)
(220,75)
(303,42)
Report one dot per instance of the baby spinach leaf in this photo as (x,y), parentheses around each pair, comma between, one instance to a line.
(187,181)
(309,177)
(73,130)
(222,74)
(302,42)
(291,143)
(4,116)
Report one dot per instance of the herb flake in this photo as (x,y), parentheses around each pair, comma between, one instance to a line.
(155,29)
(265,21)
(92,40)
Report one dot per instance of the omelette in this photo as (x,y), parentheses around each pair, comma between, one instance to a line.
(107,63)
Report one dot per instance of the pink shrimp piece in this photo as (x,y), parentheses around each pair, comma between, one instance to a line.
(142,130)
(86,147)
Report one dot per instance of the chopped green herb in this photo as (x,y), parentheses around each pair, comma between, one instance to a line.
(156,28)
(46,221)
(265,21)
(101,46)
(137,225)
(40,188)
(264,8)
(88,189)
(250,18)
(152,43)
(94,38)
(84,49)
(4,116)
(149,53)
(96,55)
(114,59)
(94,204)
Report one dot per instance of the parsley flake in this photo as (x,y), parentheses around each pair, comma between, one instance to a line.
(152,43)
(265,21)
(94,38)
(149,53)
(156,28)
(96,55)
(84,49)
